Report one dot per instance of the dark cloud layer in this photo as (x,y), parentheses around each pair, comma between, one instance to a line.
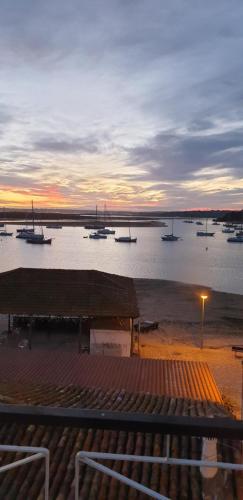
(178,156)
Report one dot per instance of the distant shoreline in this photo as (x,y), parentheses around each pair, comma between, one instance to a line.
(75,223)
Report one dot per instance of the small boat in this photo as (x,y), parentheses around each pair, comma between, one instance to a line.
(215,224)
(54,226)
(170,237)
(126,239)
(106,231)
(97,236)
(205,233)
(32,237)
(228,230)
(199,223)
(1,225)
(5,233)
(236,239)
(39,241)
(189,221)
(23,235)
(25,230)
(97,224)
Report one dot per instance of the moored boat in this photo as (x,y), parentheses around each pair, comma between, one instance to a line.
(236,239)
(39,241)
(170,237)
(25,230)
(205,233)
(97,236)
(5,233)
(106,230)
(126,239)
(54,226)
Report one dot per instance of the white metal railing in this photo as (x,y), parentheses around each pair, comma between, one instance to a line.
(89,458)
(37,453)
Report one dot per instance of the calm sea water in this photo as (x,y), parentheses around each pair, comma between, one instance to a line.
(220,267)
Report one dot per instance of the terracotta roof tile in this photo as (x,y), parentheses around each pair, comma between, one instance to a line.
(175,482)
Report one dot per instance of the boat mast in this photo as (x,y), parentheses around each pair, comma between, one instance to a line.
(172,227)
(104,213)
(33,218)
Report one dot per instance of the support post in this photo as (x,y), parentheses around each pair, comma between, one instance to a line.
(132,336)
(9,323)
(79,334)
(30,333)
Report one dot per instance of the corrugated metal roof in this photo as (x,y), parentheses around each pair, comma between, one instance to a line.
(185,379)
(67,293)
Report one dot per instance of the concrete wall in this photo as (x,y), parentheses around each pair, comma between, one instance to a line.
(110,342)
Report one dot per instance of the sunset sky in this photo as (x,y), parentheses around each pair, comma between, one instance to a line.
(136,103)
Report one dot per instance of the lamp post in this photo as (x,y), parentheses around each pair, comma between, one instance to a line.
(203,298)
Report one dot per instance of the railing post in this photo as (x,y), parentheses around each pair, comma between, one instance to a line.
(76,477)
(47,474)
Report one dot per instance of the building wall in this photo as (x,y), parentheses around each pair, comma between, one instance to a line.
(110,342)
(3,323)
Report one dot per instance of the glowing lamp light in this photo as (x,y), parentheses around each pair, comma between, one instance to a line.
(204,297)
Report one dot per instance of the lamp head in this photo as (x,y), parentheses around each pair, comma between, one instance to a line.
(204,297)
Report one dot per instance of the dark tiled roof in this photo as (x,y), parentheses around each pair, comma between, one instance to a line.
(67,293)
(186,379)
(177,483)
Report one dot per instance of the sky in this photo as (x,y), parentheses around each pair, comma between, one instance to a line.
(134,103)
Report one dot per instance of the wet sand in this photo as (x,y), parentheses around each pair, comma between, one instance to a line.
(177,307)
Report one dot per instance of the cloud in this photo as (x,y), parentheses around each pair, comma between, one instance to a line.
(175,155)
(66,145)
(164,83)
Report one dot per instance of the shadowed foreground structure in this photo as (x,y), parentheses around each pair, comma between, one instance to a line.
(64,443)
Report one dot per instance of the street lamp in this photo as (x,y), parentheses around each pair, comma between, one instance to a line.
(203,298)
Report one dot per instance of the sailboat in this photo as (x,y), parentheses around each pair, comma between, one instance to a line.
(105,230)
(4,232)
(170,237)
(96,224)
(32,236)
(126,239)
(205,233)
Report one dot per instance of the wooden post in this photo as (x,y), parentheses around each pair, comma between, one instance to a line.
(30,333)
(79,334)
(132,336)
(9,327)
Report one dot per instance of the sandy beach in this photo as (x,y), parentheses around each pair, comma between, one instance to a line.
(177,308)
